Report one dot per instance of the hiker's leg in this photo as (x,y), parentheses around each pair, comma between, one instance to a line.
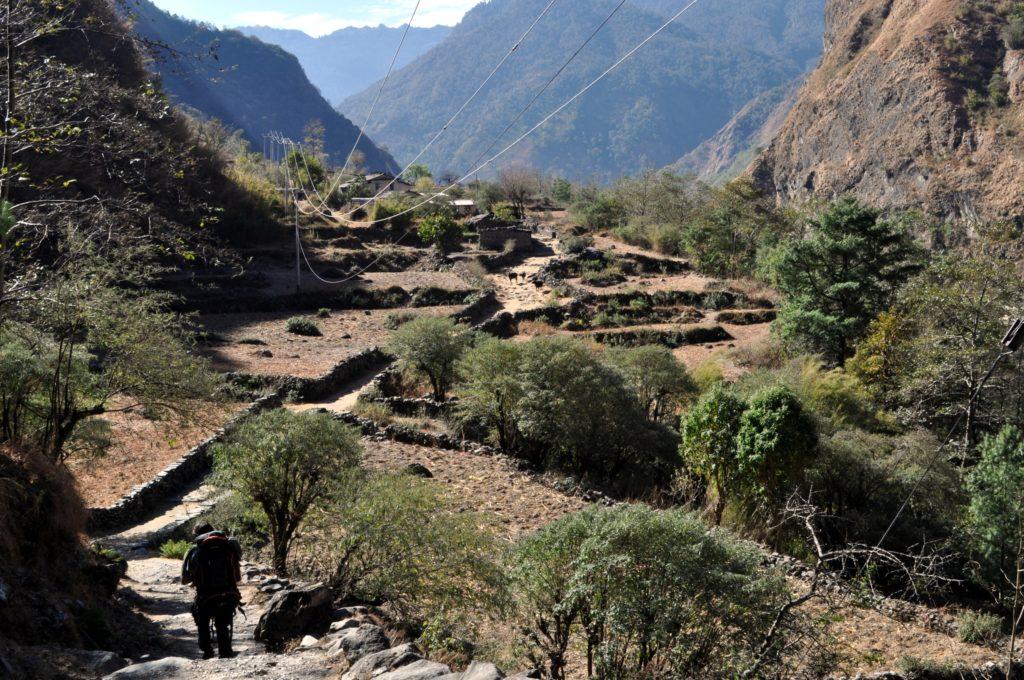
(202,617)
(223,620)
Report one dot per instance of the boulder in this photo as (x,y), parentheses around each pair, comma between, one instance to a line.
(355,643)
(98,663)
(417,670)
(171,667)
(533,674)
(477,670)
(307,642)
(384,661)
(418,470)
(290,614)
(339,626)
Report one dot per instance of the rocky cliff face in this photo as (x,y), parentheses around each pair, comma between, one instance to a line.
(915,104)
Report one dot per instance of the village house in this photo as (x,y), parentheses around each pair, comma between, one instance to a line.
(464,207)
(381,181)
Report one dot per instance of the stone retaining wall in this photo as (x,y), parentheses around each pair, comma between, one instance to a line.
(144,498)
(312,389)
(403,406)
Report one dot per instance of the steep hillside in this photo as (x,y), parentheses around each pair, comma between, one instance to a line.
(246,83)
(742,139)
(348,61)
(673,95)
(916,104)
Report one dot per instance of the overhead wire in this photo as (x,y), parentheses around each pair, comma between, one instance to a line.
(587,88)
(494,71)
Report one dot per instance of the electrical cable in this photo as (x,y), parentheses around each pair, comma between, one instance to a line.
(593,83)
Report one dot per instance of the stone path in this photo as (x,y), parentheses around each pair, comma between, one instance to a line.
(154,584)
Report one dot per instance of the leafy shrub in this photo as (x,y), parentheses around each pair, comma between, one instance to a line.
(285,463)
(323,313)
(393,538)
(375,411)
(396,319)
(979,628)
(574,245)
(633,583)
(505,212)
(175,550)
(431,346)
(1014,32)
(998,91)
(441,231)
(708,443)
(775,440)
(298,325)
(553,402)
(394,213)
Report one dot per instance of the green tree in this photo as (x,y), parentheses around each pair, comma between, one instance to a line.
(561,190)
(580,410)
(708,442)
(996,515)
(491,391)
(659,380)
(839,278)
(432,346)
(285,463)
(928,357)
(653,594)
(442,231)
(306,169)
(775,442)
(87,347)
(397,539)
(542,568)
(416,172)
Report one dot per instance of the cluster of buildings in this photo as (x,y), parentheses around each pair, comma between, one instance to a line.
(495,234)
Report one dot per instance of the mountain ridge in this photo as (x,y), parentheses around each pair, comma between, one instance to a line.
(246,84)
(675,94)
(916,105)
(346,61)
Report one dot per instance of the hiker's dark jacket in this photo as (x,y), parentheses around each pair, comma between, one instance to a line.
(205,586)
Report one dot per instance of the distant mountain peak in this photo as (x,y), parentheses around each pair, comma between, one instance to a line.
(251,86)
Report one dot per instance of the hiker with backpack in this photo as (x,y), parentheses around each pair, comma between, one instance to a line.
(213,568)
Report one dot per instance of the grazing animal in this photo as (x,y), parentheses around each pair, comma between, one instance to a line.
(511,277)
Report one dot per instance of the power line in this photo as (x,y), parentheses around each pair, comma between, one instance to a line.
(455,116)
(380,90)
(593,83)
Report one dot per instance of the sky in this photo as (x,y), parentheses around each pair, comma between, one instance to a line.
(318,17)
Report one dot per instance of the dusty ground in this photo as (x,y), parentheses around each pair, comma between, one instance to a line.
(743,337)
(296,355)
(481,484)
(140,449)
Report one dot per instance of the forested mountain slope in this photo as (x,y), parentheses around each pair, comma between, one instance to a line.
(348,61)
(916,104)
(246,84)
(676,93)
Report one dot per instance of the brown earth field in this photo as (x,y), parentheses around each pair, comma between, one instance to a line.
(141,448)
(300,356)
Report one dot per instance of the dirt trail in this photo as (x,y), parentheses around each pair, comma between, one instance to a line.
(154,585)
(344,399)
(518,293)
